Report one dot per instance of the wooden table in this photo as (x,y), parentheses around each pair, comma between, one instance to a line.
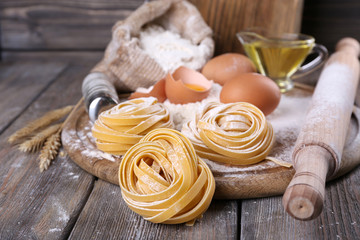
(66,202)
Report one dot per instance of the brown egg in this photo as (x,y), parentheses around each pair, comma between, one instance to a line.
(253,88)
(224,67)
(186,85)
(158,91)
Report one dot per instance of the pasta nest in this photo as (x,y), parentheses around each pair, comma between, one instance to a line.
(163,180)
(235,133)
(119,128)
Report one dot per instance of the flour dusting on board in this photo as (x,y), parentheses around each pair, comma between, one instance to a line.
(287,121)
(86,139)
(92,151)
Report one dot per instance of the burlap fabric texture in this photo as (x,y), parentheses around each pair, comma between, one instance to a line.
(126,65)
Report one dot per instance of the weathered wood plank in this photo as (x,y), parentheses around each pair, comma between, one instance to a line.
(106,216)
(91,4)
(86,25)
(36,205)
(20,84)
(266,218)
(43,25)
(63,56)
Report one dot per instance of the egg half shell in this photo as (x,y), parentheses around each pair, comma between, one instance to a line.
(253,88)
(186,85)
(158,91)
(224,67)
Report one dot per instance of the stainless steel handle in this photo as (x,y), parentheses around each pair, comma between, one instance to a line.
(99,94)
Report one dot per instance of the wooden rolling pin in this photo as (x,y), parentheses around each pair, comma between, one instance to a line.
(318,150)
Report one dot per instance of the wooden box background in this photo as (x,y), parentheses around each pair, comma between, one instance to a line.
(73,29)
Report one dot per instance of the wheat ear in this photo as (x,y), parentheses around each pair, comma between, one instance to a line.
(53,143)
(50,150)
(43,121)
(38,140)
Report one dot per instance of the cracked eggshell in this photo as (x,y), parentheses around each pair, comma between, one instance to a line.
(186,85)
(157,91)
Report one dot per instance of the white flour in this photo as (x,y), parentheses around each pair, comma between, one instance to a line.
(170,50)
(183,113)
(287,121)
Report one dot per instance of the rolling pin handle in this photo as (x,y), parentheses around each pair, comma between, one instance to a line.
(349,45)
(317,154)
(304,197)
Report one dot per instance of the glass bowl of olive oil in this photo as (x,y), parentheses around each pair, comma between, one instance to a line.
(280,56)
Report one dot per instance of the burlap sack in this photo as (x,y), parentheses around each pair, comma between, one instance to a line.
(127,66)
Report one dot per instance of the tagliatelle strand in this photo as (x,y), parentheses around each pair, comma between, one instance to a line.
(119,128)
(163,179)
(236,133)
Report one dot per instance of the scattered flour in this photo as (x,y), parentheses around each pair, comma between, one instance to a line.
(95,153)
(61,211)
(91,151)
(183,113)
(170,50)
(287,121)
(328,98)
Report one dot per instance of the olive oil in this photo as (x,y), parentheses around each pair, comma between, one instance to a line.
(277,59)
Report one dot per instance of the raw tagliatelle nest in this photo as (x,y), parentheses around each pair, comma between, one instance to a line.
(119,128)
(127,66)
(163,180)
(236,133)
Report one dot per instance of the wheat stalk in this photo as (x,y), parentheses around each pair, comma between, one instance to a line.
(37,141)
(50,150)
(53,143)
(43,121)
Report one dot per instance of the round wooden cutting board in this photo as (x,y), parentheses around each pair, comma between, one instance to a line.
(232,182)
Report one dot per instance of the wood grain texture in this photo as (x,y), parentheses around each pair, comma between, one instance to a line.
(227,17)
(86,25)
(91,4)
(36,205)
(266,219)
(17,80)
(83,57)
(106,216)
(330,20)
(34,25)
(65,25)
